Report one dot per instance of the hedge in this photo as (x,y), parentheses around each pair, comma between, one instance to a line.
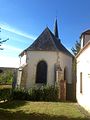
(5,94)
(45,93)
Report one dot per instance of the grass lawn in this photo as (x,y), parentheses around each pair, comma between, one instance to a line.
(26,110)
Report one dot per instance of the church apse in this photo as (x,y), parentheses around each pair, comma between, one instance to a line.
(46,58)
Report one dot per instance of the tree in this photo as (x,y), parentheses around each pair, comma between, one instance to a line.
(76,49)
(6,77)
(2,41)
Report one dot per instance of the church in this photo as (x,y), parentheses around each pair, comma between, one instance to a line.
(46,62)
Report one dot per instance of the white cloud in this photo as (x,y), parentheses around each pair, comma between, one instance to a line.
(13,30)
(8,61)
(12,48)
(9,56)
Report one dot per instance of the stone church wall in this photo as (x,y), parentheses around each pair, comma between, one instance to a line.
(51,58)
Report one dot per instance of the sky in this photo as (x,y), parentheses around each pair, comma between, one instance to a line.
(22,21)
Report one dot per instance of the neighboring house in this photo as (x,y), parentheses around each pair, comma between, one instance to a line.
(83,71)
(47,62)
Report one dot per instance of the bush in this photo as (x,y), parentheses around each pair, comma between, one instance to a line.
(45,93)
(50,93)
(35,94)
(6,77)
(5,94)
(20,94)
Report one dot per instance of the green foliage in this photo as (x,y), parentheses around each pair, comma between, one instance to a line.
(2,41)
(5,94)
(45,93)
(76,49)
(50,93)
(6,77)
(19,94)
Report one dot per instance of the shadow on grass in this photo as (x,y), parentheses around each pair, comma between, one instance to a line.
(20,115)
(12,104)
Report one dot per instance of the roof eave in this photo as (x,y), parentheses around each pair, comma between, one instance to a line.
(88,43)
(22,53)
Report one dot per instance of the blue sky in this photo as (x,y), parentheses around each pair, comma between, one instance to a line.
(23,20)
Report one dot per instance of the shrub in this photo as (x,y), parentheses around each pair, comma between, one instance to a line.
(19,94)
(44,93)
(5,94)
(36,94)
(6,77)
(50,93)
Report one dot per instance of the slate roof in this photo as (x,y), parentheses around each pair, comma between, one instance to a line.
(47,42)
(87,32)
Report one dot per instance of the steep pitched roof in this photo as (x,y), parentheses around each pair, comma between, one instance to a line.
(44,42)
(87,32)
(47,42)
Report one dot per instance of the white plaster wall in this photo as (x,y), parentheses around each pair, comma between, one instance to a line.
(23,60)
(87,38)
(83,65)
(19,78)
(33,57)
(82,42)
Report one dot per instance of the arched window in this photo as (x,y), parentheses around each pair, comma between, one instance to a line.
(41,72)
